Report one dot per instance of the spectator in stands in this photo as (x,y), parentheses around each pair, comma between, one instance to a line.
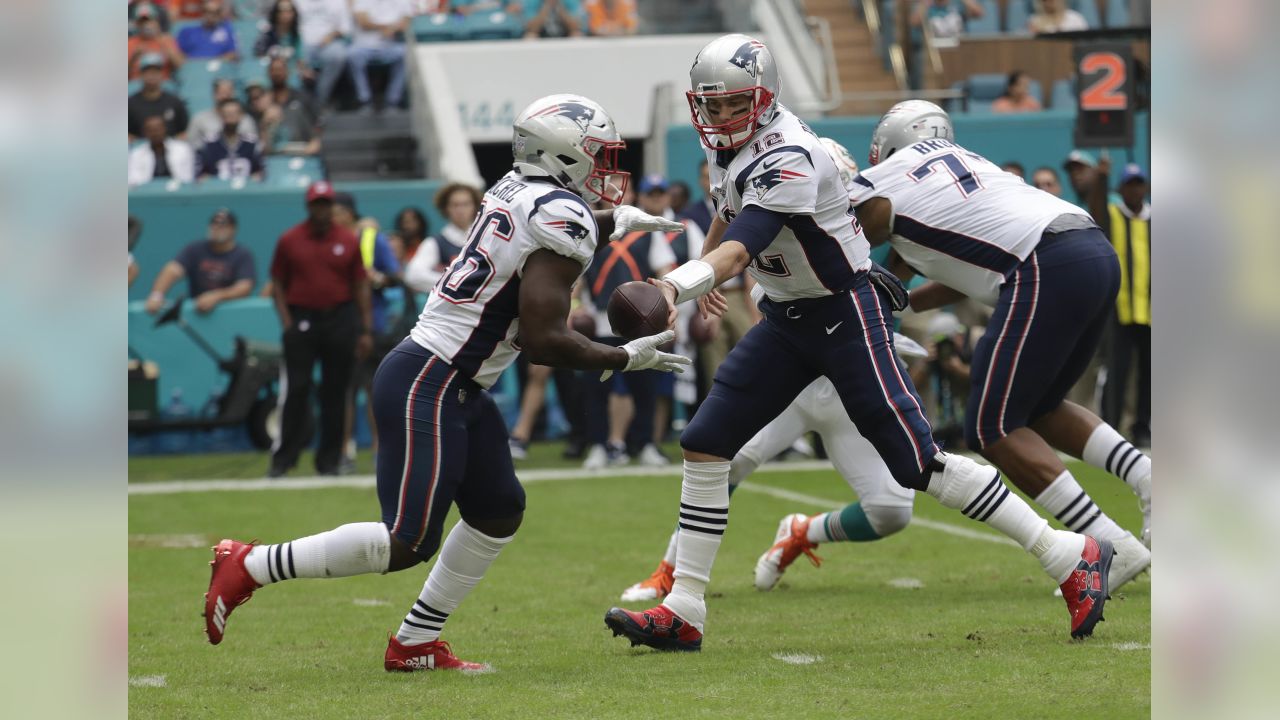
(1013,167)
(611,17)
(1017,97)
(231,155)
(552,18)
(152,40)
(206,125)
(186,9)
(1053,16)
(411,230)
(212,38)
(379,38)
(458,203)
(321,294)
(383,271)
(281,35)
(945,17)
(138,8)
(1046,178)
(160,156)
(702,211)
(324,26)
(1079,167)
(679,197)
(1128,224)
(216,268)
(153,99)
(296,127)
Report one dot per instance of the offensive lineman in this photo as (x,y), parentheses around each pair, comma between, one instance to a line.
(443,440)
(1052,277)
(783,210)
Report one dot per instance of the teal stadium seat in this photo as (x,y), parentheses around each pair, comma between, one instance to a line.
(247,32)
(1064,94)
(1089,9)
(1016,15)
(298,172)
(988,24)
(439,27)
(492,26)
(982,90)
(1118,13)
(196,81)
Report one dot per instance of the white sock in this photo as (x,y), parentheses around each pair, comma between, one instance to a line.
(464,559)
(818,526)
(1106,449)
(352,549)
(1073,507)
(672,544)
(704,515)
(978,492)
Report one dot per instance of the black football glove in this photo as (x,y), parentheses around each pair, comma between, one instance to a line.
(892,286)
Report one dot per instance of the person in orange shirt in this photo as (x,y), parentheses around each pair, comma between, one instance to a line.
(151,39)
(611,17)
(1017,95)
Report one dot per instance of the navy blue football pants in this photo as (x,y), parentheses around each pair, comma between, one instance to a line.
(847,337)
(1047,324)
(441,440)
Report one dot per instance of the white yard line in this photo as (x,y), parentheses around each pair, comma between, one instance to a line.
(797,658)
(549,475)
(156,681)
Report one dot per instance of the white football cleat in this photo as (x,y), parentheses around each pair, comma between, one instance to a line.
(1144,502)
(656,587)
(1132,558)
(791,540)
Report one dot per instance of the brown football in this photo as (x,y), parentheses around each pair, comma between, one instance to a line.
(637,309)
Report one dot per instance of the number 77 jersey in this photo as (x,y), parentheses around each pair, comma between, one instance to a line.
(471,319)
(958,218)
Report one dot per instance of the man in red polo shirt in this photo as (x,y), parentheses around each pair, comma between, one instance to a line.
(322,297)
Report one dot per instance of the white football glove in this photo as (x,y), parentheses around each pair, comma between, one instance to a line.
(628,218)
(643,354)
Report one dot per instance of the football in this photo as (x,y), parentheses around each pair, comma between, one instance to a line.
(637,309)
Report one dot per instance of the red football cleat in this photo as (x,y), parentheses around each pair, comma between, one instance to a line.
(435,655)
(656,627)
(230,586)
(1086,589)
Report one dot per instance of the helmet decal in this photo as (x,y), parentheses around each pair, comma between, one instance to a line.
(748,57)
(577,112)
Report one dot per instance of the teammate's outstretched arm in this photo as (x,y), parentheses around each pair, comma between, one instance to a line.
(876,217)
(545,298)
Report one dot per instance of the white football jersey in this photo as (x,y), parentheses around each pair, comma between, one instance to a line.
(785,169)
(471,319)
(958,218)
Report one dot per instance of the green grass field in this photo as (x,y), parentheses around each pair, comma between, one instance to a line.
(981,637)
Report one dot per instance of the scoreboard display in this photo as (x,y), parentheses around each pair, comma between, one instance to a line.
(1104,94)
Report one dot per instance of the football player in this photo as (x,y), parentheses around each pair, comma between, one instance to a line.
(1052,277)
(784,215)
(442,440)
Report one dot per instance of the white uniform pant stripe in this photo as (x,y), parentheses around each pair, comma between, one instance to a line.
(435,461)
(875,363)
(1017,354)
(408,441)
(995,353)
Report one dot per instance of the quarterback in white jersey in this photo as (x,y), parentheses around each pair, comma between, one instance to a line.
(1051,276)
(441,438)
(783,214)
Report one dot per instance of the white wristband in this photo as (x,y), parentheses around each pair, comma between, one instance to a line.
(692,280)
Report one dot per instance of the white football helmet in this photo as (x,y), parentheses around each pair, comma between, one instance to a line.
(733,65)
(845,163)
(907,123)
(573,141)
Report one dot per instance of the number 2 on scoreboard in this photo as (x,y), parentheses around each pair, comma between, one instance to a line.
(1106,91)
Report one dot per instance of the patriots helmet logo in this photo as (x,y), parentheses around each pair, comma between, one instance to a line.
(769,179)
(574,230)
(748,57)
(577,112)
